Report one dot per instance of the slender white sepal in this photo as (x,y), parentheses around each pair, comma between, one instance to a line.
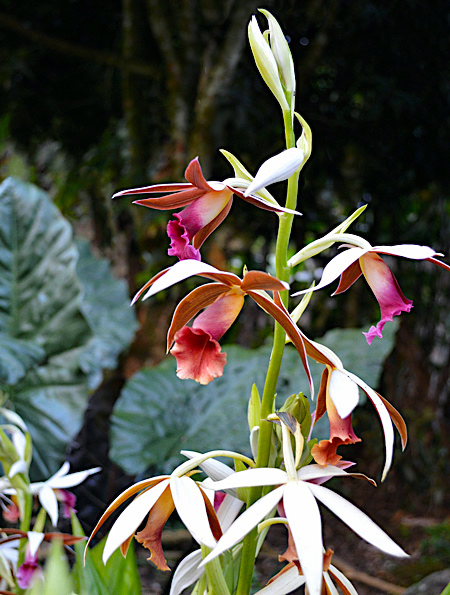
(359,522)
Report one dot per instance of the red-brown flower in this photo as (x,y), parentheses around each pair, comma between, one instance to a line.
(206,206)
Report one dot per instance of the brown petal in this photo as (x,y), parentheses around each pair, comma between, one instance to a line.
(199,298)
(322,396)
(279,313)
(137,487)
(348,277)
(212,516)
(164,188)
(171,201)
(259,280)
(194,175)
(262,204)
(150,536)
(398,421)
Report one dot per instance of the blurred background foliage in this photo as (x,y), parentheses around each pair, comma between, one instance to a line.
(99,96)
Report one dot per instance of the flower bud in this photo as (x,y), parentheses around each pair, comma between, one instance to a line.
(283,56)
(266,62)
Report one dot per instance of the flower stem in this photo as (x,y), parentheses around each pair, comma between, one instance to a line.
(273,371)
(214,574)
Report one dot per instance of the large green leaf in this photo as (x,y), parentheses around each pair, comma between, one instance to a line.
(105,304)
(55,337)
(157,414)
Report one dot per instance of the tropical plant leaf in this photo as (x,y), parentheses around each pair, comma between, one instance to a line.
(106,306)
(53,330)
(158,414)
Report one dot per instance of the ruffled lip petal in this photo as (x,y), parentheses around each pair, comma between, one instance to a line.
(180,245)
(198,356)
(386,290)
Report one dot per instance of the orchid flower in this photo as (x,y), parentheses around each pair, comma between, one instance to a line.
(363,259)
(339,391)
(52,490)
(298,496)
(190,570)
(157,498)
(196,348)
(207,204)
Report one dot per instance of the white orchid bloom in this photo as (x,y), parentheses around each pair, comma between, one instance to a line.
(61,480)
(299,496)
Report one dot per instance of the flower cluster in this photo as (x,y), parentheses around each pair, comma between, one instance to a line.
(283,481)
(19,547)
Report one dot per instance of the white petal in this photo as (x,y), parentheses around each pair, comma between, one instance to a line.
(246,522)
(303,515)
(251,477)
(191,508)
(213,469)
(385,419)
(130,519)
(228,511)
(181,271)
(359,522)
(34,541)
(317,471)
(73,479)
(330,586)
(344,580)
(187,573)
(285,583)
(48,500)
(64,470)
(343,392)
(412,251)
(14,418)
(17,467)
(277,168)
(336,267)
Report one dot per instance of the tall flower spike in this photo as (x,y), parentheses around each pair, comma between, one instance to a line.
(206,206)
(354,262)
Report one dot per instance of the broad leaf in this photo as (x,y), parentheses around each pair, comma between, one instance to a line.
(157,414)
(105,304)
(53,329)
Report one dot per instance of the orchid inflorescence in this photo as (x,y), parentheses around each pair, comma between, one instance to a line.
(282,482)
(19,497)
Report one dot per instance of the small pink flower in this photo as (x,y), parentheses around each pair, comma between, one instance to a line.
(207,204)
(353,263)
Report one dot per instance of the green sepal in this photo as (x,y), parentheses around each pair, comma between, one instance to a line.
(254,409)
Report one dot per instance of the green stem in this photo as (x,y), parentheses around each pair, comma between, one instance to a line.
(213,570)
(273,371)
